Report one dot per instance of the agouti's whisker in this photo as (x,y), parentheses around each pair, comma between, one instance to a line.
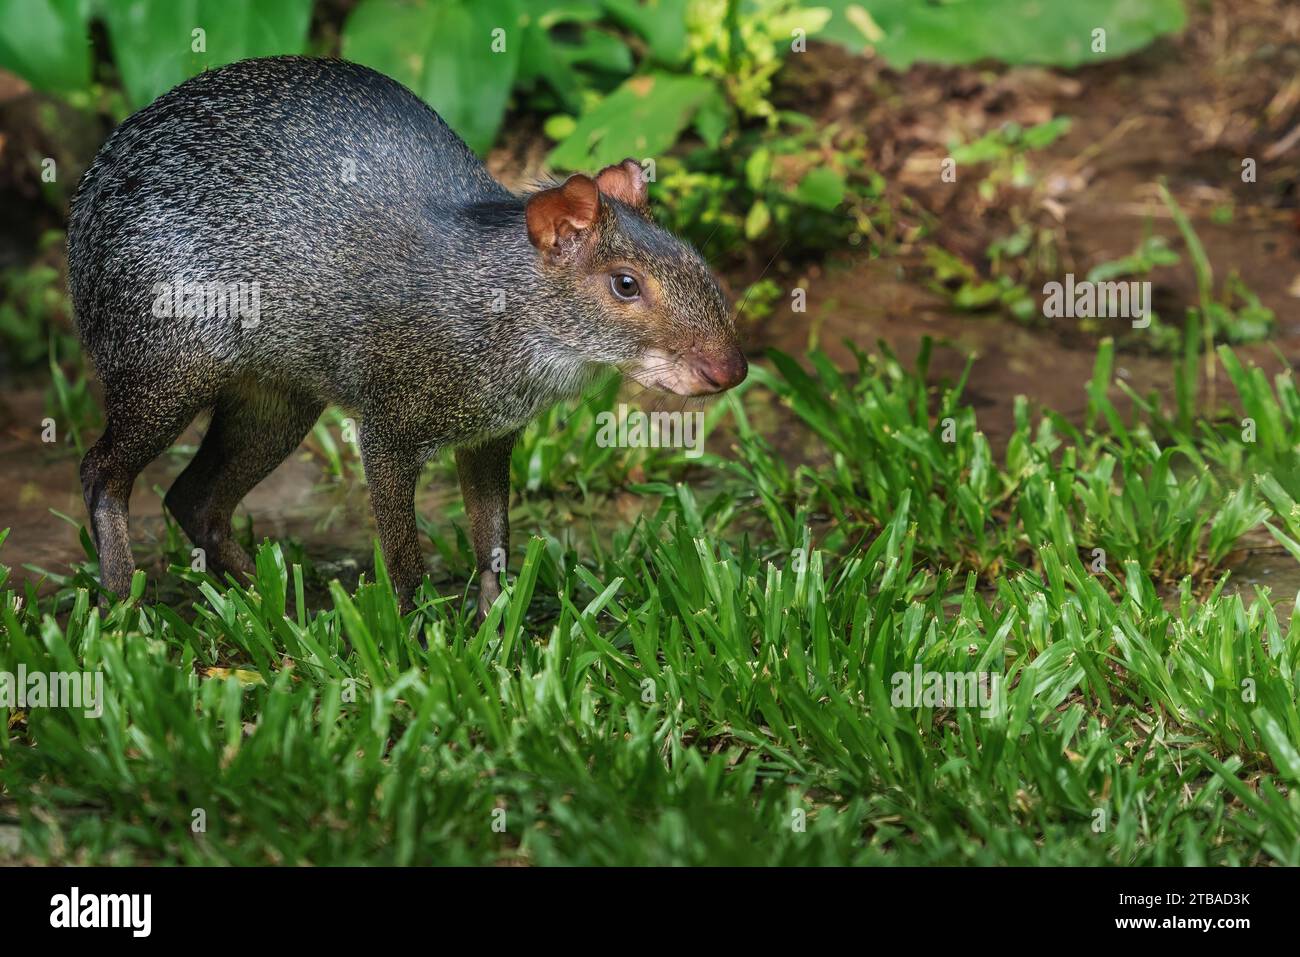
(752,285)
(709,239)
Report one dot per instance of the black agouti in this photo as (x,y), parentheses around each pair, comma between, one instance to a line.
(283,233)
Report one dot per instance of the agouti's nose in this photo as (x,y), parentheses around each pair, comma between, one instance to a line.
(722,373)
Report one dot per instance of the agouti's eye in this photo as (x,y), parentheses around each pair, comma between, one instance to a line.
(624,286)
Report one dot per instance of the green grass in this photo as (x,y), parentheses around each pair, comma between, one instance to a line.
(713,683)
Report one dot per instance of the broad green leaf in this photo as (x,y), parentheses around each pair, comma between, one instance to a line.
(559,126)
(1056,32)
(46,42)
(537,61)
(553,58)
(758,167)
(459,56)
(822,188)
(661,22)
(758,219)
(643,117)
(548,13)
(712,119)
(157,44)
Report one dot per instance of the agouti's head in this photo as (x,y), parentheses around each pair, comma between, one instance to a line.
(648,302)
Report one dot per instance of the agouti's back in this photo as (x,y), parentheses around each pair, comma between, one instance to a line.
(305,176)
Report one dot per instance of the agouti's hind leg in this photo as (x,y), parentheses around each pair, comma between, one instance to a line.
(133,438)
(253,430)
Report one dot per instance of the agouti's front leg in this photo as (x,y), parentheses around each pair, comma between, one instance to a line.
(392,471)
(485,485)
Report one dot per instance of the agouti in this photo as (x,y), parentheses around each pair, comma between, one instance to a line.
(283,233)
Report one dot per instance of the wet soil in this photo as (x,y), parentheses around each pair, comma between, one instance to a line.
(38,481)
(1188,109)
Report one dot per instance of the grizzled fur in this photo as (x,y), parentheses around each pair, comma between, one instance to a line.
(413,295)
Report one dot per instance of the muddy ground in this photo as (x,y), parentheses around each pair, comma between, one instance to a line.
(1189,108)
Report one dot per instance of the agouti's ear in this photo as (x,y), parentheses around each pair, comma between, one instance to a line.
(625,182)
(553,215)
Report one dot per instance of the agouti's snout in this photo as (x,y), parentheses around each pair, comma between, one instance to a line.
(694,372)
(722,372)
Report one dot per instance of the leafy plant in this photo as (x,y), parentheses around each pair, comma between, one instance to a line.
(567,50)
(661,23)
(1217,315)
(155,43)
(1004,151)
(642,118)
(799,188)
(159,43)
(1010,31)
(732,51)
(460,56)
(1152,252)
(44,42)
(740,45)
(34,309)
(969,291)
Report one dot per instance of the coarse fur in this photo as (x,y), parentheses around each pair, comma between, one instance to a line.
(396,278)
